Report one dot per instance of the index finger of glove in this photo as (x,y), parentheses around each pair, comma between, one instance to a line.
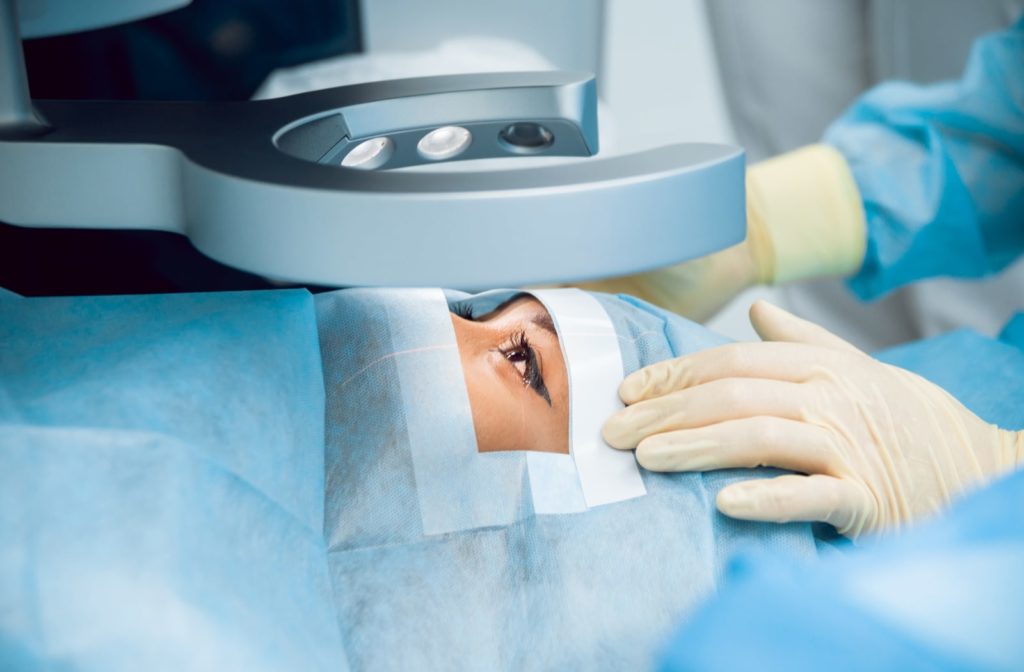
(788,362)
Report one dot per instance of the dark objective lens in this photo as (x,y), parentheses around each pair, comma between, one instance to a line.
(526,137)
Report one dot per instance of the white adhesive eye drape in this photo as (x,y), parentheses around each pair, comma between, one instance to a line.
(591,349)
(401,452)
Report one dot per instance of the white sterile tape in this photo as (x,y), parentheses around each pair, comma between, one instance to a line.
(554,484)
(591,349)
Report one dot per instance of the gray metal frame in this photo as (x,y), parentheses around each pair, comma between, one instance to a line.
(250,183)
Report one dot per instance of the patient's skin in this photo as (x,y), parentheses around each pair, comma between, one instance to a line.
(509,413)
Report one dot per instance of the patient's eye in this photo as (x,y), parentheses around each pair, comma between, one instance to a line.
(521,355)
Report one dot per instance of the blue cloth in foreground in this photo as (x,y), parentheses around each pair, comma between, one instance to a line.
(1013,331)
(161,484)
(947,595)
(163,502)
(941,170)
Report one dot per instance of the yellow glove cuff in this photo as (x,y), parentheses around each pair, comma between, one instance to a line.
(805,218)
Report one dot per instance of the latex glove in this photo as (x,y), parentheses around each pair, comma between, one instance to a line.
(880,446)
(804,220)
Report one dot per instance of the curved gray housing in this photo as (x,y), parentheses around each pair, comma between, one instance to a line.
(257,185)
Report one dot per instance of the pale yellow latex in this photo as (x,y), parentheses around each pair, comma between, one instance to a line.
(804,220)
(875,445)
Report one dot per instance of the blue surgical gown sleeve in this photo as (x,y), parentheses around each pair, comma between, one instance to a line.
(941,170)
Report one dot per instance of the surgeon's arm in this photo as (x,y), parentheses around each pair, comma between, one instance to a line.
(940,169)
(913,182)
(804,220)
(874,446)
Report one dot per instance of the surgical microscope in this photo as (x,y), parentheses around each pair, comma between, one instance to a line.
(310,188)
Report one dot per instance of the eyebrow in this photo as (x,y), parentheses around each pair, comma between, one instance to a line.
(541,318)
(544,321)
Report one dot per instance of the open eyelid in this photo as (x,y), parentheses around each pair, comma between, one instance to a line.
(531,374)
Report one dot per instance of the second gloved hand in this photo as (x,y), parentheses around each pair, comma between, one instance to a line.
(698,288)
(875,446)
(804,220)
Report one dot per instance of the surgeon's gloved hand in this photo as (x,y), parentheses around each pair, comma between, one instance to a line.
(875,446)
(804,220)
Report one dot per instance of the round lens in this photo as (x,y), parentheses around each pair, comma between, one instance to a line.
(526,137)
(444,143)
(369,154)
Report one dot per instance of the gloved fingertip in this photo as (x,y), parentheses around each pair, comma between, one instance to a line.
(631,390)
(616,435)
(773,323)
(735,501)
(651,454)
(764,315)
(646,459)
(757,308)
(759,305)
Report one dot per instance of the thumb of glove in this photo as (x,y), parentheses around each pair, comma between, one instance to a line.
(775,324)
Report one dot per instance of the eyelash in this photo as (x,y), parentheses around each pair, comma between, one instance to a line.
(520,344)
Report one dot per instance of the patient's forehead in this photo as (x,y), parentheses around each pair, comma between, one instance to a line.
(520,302)
(523,306)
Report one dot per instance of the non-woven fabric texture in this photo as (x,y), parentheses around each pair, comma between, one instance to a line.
(437,556)
(171,499)
(161,484)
